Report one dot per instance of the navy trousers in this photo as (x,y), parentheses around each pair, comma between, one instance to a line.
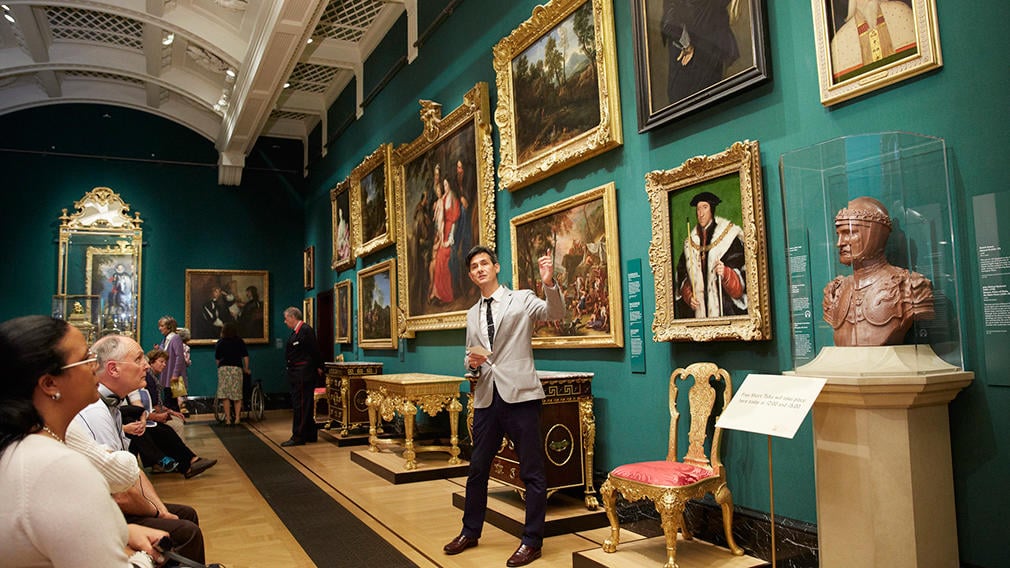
(521,421)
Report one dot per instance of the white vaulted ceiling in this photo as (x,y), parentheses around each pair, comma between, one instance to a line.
(175,59)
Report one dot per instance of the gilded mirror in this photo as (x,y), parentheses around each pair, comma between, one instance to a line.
(98,279)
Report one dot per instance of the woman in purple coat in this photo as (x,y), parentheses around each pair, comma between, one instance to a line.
(176,366)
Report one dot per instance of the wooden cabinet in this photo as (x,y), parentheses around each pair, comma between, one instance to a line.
(568,428)
(346,394)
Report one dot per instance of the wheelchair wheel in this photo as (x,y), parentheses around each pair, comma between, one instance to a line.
(219,410)
(257,403)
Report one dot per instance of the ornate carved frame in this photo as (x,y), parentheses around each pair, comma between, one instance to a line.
(388,266)
(926,58)
(339,193)
(606,195)
(742,159)
(100,213)
(197,279)
(600,138)
(342,304)
(439,129)
(380,158)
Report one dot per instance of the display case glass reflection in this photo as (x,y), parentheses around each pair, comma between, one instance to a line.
(907,174)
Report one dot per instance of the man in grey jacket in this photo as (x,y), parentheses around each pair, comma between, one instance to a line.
(508,396)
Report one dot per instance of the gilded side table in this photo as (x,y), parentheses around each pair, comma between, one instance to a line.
(568,428)
(346,393)
(405,393)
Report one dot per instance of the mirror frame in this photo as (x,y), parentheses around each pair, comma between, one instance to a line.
(101,213)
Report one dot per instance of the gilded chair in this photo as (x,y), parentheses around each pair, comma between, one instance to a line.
(669,484)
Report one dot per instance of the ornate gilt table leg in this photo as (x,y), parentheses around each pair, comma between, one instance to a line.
(587,420)
(409,412)
(454,409)
(372,402)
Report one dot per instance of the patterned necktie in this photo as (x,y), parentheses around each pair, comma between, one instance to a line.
(490,322)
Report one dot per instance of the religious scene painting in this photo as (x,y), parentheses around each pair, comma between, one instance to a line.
(446,185)
(558,98)
(217,297)
(708,251)
(691,54)
(376,306)
(111,276)
(372,211)
(580,234)
(340,209)
(863,45)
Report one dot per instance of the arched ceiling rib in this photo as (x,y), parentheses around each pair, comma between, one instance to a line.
(218,67)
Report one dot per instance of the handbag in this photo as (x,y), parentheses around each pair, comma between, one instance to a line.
(178,386)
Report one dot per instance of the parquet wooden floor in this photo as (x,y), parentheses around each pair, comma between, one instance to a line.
(242,531)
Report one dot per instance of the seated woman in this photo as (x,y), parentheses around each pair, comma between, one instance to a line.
(57,508)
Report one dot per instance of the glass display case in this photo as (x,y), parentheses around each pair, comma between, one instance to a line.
(908,174)
(99,274)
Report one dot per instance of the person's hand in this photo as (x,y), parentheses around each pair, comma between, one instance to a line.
(159,416)
(136,428)
(719,268)
(546,264)
(474,361)
(143,538)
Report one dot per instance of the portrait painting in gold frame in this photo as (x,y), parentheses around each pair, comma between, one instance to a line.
(340,214)
(215,297)
(558,98)
(342,305)
(708,253)
(445,181)
(580,233)
(864,45)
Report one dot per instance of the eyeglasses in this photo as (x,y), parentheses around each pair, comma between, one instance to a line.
(92,360)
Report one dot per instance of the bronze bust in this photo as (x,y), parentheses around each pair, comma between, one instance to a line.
(879,302)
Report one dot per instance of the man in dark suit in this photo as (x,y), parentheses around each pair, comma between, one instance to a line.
(304,365)
(508,396)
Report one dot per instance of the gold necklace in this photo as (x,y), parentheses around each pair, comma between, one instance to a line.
(53,434)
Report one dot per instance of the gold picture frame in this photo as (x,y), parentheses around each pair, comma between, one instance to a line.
(457,149)
(373,218)
(547,119)
(112,276)
(309,312)
(377,314)
(726,194)
(340,215)
(342,306)
(244,297)
(309,267)
(581,233)
(856,55)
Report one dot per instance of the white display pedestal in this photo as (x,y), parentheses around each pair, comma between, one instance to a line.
(885,489)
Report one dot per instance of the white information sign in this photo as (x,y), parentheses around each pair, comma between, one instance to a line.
(771,404)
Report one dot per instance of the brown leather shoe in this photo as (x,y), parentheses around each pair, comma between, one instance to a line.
(523,556)
(459,544)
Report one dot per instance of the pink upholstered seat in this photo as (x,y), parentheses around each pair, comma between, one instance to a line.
(320,391)
(670,474)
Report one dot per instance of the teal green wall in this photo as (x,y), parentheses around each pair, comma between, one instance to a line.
(964,103)
(189,220)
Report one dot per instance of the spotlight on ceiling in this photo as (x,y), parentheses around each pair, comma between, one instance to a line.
(309,41)
(230,72)
(286,85)
(9,17)
(168,39)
